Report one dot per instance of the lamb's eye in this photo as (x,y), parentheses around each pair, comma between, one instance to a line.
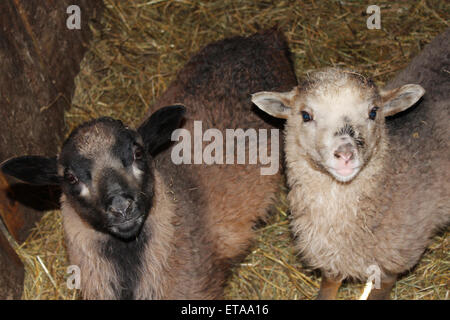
(70,178)
(373,113)
(138,153)
(306,116)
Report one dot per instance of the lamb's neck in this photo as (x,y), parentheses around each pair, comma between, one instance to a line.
(160,224)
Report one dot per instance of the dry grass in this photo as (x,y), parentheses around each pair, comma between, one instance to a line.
(136,52)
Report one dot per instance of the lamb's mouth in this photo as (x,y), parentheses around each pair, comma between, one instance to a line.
(129,228)
(344,174)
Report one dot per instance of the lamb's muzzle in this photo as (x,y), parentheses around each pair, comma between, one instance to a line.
(345,160)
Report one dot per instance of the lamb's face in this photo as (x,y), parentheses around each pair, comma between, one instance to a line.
(105,170)
(335,119)
(107,176)
(337,126)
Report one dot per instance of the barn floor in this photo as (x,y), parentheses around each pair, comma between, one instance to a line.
(137,49)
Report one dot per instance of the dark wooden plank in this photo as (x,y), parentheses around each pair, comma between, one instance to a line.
(39,59)
(11,271)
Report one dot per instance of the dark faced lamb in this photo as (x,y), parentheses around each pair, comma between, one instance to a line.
(140,226)
(366,197)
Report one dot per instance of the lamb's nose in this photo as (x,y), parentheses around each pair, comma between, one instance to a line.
(120,205)
(345,152)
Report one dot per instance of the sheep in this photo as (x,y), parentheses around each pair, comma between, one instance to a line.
(138,225)
(366,197)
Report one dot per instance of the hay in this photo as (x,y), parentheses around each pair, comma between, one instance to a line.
(136,53)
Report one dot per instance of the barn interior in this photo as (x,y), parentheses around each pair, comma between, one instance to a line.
(138,46)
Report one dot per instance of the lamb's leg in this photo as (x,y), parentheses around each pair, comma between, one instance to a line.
(384,293)
(328,288)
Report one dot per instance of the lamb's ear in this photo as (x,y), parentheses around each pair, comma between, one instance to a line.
(157,129)
(277,104)
(400,99)
(35,170)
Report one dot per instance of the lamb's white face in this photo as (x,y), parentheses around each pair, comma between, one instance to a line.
(338,129)
(335,119)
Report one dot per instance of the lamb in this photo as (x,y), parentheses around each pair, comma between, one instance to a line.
(139,226)
(366,197)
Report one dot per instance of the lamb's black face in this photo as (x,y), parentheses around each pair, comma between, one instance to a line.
(107,176)
(105,170)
